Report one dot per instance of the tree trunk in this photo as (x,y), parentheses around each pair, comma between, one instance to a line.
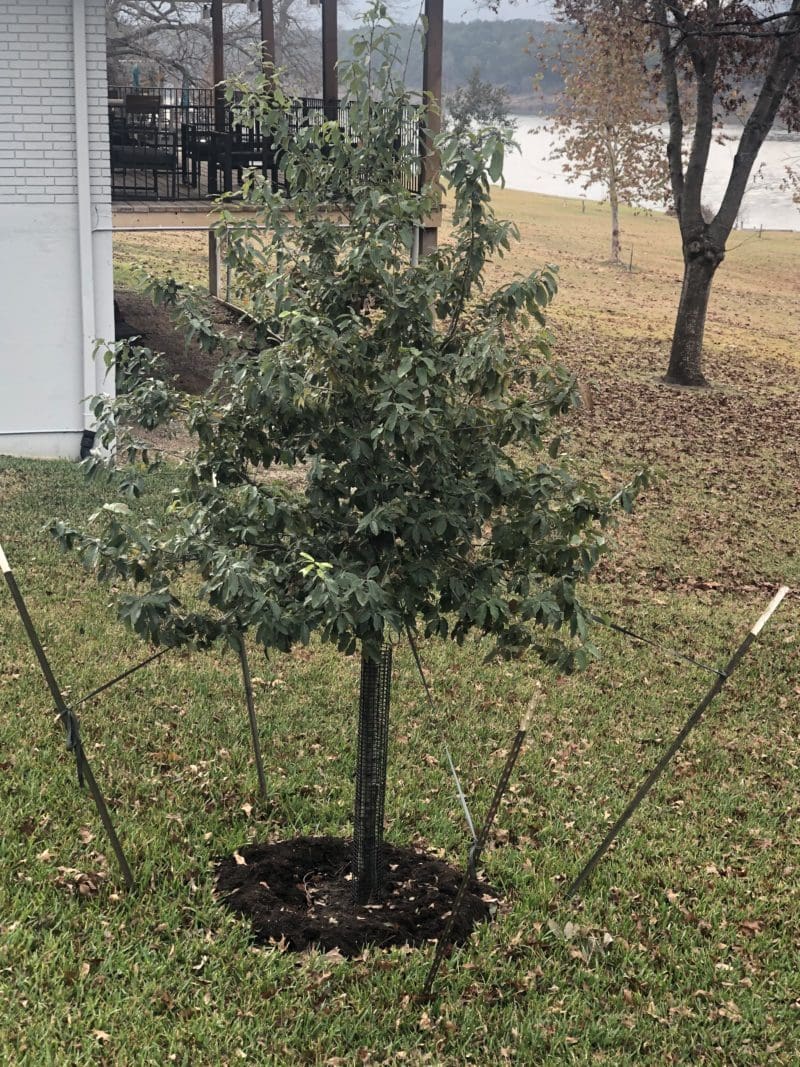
(700,261)
(613,200)
(373,739)
(615,245)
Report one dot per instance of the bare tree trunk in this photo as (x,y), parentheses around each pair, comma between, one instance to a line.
(613,195)
(369,873)
(701,255)
(685,363)
(614,202)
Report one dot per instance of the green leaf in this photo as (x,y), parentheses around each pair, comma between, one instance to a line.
(496,163)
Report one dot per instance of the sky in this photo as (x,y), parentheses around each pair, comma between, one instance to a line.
(464,11)
(457,10)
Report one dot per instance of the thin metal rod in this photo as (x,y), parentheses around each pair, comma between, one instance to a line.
(689,725)
(461,795)
(151,229)
(462,798)
(68,719)
(475,852)
(251,714)
(170,229)
(119,678)
(671,652)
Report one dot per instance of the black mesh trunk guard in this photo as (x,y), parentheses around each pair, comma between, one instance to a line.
(373,741)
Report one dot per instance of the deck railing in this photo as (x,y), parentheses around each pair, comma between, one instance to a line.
(164,145)
(175,106)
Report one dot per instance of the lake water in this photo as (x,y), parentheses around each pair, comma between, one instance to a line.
(764,204)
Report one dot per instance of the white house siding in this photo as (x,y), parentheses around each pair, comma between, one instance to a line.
(48,319)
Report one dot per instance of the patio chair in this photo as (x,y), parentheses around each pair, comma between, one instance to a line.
(224,153)
(244,147)
(198,147)
(142,108)
(140,162)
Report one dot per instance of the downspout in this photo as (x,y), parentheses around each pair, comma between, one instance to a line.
(85,257)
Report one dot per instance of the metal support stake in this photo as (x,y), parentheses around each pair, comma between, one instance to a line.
(251,714)
(68,719)
(476,850)
(691,722)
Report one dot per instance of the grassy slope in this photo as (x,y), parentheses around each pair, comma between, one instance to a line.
(700,897)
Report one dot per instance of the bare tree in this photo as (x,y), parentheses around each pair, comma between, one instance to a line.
(604,119)
(174,39)
(724,57)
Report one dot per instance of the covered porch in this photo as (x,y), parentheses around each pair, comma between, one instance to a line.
(182,146)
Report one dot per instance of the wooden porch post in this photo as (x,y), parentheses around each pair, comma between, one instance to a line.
(267,9)
(213,263)
(267,36)
(218,54)
(432,93)
(330,57)
(218,75)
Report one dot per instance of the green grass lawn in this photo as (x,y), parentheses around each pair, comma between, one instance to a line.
(700,896)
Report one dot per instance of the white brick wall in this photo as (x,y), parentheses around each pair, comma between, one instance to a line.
(56,287)
(37,103)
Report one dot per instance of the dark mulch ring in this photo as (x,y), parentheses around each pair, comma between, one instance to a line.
(300,893)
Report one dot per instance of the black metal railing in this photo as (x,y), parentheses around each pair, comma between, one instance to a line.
(145,162)
(164,144)
(173,107)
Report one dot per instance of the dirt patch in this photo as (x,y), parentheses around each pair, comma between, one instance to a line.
(191,366)
(11,485)
(187,364)
(298,893)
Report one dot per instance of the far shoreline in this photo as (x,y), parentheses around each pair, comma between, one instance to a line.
(654,212)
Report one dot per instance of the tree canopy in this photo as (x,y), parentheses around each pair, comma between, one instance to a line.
(415,400)
(501,50)
(171,41)
(478,103)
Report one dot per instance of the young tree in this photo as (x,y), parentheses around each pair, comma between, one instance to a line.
(791,181)
(716,58)
(604,119)
(479,103)
(419,428)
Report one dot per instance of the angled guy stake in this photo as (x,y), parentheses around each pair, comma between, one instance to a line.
(251,715)
(477,848)
(68,719)
(689,725)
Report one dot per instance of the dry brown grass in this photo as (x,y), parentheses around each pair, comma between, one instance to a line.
(754,304)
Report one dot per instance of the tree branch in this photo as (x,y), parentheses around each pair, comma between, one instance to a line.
(674,113)
(783,68)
